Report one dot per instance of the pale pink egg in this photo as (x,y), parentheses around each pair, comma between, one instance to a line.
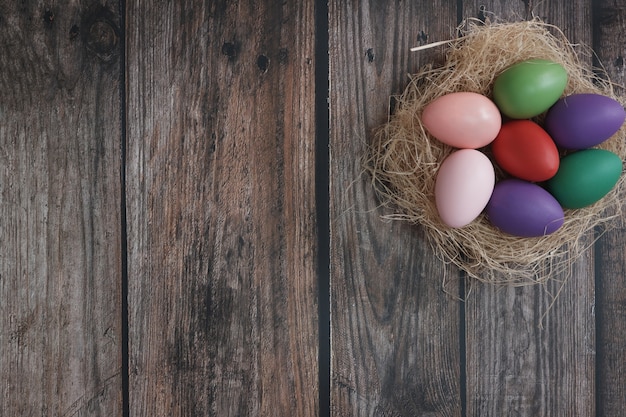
(462,120)
(463,186)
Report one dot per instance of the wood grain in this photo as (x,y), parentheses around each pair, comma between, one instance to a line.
(395,334)
(514,365)
(60,229)
(518,361)
(609,45)
(223,267)
(221,197)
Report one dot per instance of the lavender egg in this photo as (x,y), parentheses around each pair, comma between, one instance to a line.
(581,121)
(524,209)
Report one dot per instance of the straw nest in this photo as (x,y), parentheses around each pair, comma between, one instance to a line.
(403,158)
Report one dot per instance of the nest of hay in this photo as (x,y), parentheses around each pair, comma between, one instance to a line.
(404,159)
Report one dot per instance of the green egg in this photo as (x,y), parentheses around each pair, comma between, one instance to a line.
(584,177)
(529,88)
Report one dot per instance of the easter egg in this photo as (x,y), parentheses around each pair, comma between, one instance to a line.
(529,88)
(524,209)
(526,151)
(581,121)
(462,120)
(584,177)
(463,186)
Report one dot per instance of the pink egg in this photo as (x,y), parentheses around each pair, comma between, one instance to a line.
(463,186)
(462,120)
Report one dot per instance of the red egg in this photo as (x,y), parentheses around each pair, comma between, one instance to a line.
(526,151)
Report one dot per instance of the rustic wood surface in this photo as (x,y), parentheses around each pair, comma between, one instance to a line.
(184,222)
(526,355)
(395,333)
(610,307)
(221,209)
(60,223)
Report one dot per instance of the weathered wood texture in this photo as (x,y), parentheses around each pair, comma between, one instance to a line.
(221,209)
(610,46)
(222,268)
(395,334)
(60,229)
(512,358)
(518,360)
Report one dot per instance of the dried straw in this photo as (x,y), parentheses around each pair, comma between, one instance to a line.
(404,159)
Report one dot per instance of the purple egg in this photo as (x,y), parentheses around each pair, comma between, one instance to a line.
(524,209)
(581,121)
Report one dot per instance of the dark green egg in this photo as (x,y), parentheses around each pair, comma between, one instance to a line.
(529,88)
(584,177)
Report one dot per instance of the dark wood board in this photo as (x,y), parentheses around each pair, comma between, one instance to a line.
(609,45)
(527,352)
(221,209)
(395,333)
(60,194)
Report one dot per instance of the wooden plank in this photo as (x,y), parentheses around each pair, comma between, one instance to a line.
(609,45)
(221,197)
(513,365)
(60,227)
(496,11)
(395,334)
(517,360)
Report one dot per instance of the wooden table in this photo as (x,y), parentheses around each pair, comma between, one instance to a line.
(184,230)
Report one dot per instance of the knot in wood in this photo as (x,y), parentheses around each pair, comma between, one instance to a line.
(263,62)
(102,38)
(230,49)
(48,17)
